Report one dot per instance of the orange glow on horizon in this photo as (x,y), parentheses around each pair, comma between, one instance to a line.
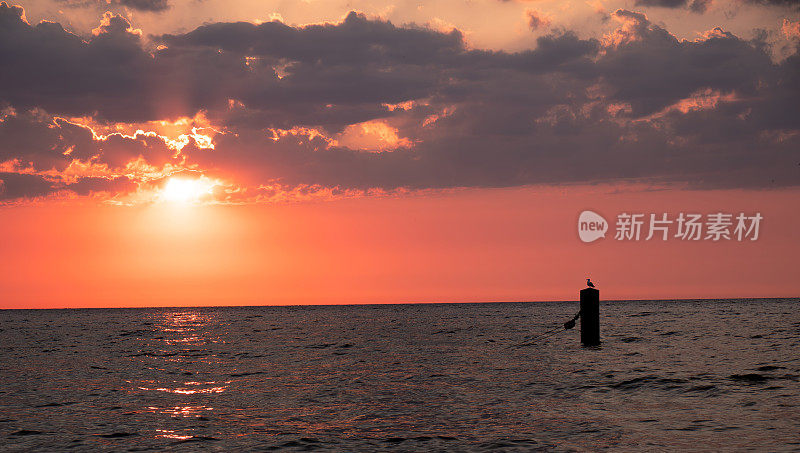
(467,246)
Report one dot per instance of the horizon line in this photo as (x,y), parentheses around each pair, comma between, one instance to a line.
(404,303)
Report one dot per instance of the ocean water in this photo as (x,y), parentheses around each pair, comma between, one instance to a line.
(718,375)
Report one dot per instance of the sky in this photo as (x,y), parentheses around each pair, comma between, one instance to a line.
(200,152)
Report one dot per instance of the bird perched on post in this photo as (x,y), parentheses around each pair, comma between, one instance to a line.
(589,283)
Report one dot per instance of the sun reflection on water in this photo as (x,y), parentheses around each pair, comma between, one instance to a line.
(185,391)
(180,411)
(180,348)
(170,434)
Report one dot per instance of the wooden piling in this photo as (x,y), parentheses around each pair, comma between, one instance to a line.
(590,317)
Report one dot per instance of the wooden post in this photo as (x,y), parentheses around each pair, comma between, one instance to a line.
(590,317)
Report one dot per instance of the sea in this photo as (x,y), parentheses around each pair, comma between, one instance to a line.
(690,375)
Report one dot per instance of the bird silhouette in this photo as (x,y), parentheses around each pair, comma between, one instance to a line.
(589,283)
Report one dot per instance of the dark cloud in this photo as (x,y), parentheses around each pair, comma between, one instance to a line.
(29,139)
(40,142)
(652,69)
(780,3)
(89,185)
(146,5)
(661,3)
(536,19)
(695,6)
(713,112)
(572,146)
(283,74)
(699,6)
(46,67)
(156,6)
(21,185)
(18,185)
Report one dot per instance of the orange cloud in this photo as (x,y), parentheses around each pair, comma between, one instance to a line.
(791,29)
(373,136)
(632,26)
(113,22)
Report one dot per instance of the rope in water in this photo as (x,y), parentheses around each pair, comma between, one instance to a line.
(539,337)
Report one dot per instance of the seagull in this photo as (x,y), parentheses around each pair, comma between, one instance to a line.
(589,283)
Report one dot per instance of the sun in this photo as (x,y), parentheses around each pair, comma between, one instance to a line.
(185,190)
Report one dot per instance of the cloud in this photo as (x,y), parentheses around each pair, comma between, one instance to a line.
(791,29)
(372,136)
(88,185)
(29,140)
(146,5)
(778,3)
(536,19)
(364,105)
(669,69)
(44,66)
(36,141)
(695,6)
(333,74)
(661,3)
(16,185)
(156,6)
(700,6)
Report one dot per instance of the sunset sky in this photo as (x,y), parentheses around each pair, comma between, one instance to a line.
(208,152)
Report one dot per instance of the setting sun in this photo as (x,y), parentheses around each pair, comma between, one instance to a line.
(184,190)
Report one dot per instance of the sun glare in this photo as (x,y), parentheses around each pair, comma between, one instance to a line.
(184,190)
